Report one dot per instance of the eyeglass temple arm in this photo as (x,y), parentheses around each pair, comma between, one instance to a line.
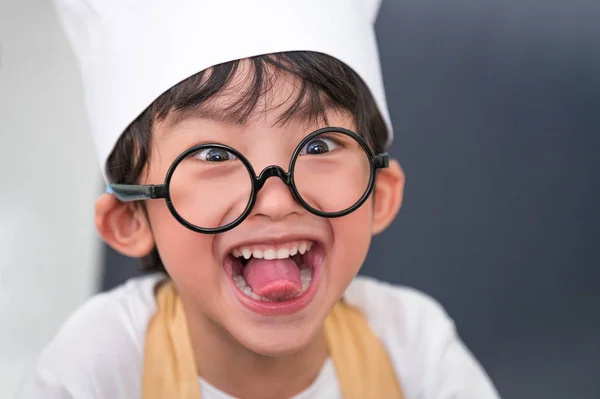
(136,192)
(381,161)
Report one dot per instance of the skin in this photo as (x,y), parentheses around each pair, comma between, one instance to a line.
(238,351)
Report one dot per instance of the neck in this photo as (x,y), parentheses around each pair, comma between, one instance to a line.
(229,366)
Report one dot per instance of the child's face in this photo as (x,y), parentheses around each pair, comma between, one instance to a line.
(203,266)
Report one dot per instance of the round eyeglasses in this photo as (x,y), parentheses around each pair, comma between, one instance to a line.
(211,188)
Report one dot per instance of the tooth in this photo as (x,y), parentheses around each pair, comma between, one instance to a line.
(305,278)
(257,253)
(294,250)
(247,253)
(248,291)
(309,246)
(283,253)
(269,254)
(302,248)
(305,285)
(237,253)
(306,273)
(240,282)
(255,296)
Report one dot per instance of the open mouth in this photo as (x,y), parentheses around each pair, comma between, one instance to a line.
(275,274)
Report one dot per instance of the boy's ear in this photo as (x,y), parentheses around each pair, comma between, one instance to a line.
(123,226)
(388,194)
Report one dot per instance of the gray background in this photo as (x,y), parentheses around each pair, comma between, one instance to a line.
(496,108)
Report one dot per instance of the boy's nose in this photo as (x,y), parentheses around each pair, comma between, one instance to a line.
(275,200)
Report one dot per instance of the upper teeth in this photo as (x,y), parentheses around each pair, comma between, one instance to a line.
(273,252)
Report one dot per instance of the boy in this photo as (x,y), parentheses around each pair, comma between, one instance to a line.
(243,148)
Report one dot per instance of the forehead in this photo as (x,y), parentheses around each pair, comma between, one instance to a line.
(253,92)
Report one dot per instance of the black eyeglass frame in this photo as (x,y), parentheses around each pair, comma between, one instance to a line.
(139,192)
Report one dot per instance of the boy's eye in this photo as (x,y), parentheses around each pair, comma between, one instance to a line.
(214,155)
(319,145)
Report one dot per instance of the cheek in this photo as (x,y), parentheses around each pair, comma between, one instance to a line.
(352,238)
(186,255)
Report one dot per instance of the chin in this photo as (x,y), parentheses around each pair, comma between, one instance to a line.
(278,341)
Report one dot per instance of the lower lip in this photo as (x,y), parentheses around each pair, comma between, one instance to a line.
(279,308)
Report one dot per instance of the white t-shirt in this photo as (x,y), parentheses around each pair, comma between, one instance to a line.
(98,353)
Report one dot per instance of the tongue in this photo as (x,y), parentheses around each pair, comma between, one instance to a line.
(277,279)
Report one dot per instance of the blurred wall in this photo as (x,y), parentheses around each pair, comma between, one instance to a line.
(496,107)
(49,180)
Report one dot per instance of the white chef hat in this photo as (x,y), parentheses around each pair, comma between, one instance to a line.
(132,51)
